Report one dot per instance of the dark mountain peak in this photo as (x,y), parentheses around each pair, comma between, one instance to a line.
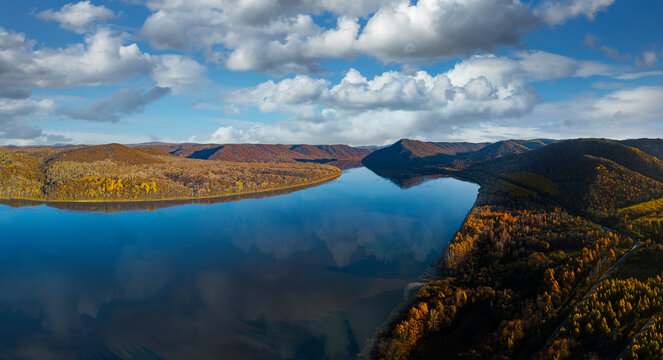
(415,154)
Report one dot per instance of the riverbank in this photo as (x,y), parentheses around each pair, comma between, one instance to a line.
(248,194)
(499,274)
(549,227)
(115,206)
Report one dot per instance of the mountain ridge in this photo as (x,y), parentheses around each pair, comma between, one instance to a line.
(262,153)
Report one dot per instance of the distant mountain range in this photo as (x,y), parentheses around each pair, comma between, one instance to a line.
(263,153)
(409,154)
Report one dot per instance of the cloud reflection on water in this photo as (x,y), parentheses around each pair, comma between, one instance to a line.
(305,275)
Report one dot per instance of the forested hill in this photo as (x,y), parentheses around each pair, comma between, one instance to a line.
(408,154)
(115,172)
(653,147)
(560,258)
(263,153)
(592,176)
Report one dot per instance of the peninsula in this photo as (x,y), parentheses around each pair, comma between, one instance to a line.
(114,172)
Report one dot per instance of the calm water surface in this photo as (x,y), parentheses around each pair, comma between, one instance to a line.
(307,275)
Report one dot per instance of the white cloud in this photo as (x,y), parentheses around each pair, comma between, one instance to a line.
(638,75)
(103,58)
(638,104)
(528,66)
(433,29)
(393,105)
(80,17)
(487,132)
(282,36)
(627,113)
(558,11)
(179,73)
(647,59)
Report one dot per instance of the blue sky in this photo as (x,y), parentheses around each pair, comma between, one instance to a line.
(342,71)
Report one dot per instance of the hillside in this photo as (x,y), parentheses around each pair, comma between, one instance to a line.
(534,143)
(559,259)
(496,150)
(113,152)
(263,153)
(414,154)
(653,147)
(116,172)
(593,176)
(419,155)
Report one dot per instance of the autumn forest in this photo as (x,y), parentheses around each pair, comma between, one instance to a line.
(561,257)
(119,173)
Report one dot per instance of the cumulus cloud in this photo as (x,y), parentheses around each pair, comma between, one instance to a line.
(80,17)
(103,58)
(179,73)
(282,36)
(123,102)
(392,105)
(15,115)
(433,29)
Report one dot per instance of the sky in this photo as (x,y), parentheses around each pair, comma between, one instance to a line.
(358,72)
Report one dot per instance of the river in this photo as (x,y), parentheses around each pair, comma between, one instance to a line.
(305,275)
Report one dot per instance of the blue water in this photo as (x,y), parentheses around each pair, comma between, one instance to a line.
(307,275)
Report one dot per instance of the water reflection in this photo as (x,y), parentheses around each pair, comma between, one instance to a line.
(408,179)
(307,275)
(116,206)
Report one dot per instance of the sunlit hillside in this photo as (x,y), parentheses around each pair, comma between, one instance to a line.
(117,172)
(559,259)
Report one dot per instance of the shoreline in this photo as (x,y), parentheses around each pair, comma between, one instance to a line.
(407,301)
(176,199)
